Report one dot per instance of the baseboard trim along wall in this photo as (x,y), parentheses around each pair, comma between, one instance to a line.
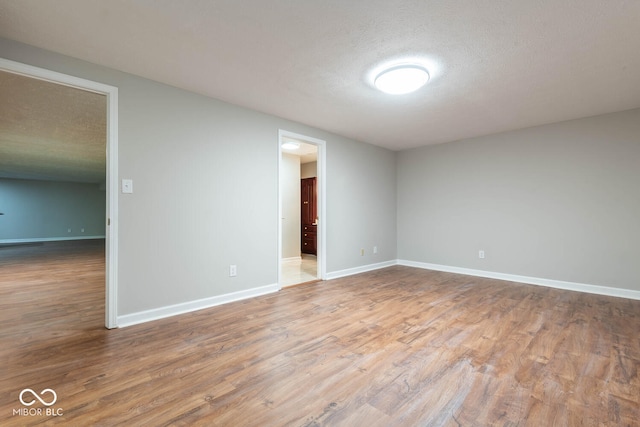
(189,306)
(361,269)
(186,307)
(49,239)
(558,284)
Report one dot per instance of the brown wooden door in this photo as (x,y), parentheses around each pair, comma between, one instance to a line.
(308,200)
(308,215)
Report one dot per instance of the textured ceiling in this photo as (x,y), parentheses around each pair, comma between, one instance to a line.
(496,65)
(51,132)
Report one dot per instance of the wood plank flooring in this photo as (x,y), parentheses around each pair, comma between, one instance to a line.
(394,347)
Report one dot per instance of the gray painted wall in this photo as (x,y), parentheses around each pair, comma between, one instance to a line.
(560,202)
(362,201)
(206,190)
(45,210)
(290,194)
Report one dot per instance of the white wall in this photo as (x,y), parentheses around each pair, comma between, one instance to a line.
(290,194)
(46,210)
(206,191)
(559,202)
(309,170)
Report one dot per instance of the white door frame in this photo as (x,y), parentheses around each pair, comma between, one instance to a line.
(322,201)
(111,234)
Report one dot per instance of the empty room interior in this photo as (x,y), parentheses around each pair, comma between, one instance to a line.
(406,213)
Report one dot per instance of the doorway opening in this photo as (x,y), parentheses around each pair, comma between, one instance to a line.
(302,207)
(110,174)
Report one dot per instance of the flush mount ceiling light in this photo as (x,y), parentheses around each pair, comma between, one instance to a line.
(401,79)
(290,145)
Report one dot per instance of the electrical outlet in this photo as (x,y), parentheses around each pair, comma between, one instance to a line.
(233,270)
(82,230)
(481,254)
(68,230)
(375,249)
(361,252)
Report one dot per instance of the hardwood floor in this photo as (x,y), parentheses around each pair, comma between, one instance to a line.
(394,347)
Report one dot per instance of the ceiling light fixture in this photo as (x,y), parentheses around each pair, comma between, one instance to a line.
(402,79)
(289,145)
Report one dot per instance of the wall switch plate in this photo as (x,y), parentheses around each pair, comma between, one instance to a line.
(481,254)
(233,270)
(127,186)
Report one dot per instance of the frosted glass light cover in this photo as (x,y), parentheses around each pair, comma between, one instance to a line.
(402,79)
(290,146)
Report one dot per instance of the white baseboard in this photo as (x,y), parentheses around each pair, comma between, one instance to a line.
(49,239)
(361,269)
(186,307)
(558,284)
(293,258)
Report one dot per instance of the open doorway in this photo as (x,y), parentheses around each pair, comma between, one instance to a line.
(42,158)
(301,251)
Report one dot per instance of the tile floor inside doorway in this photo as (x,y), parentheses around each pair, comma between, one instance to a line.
(295,271)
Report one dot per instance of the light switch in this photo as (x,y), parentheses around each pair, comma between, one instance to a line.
(127,186)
